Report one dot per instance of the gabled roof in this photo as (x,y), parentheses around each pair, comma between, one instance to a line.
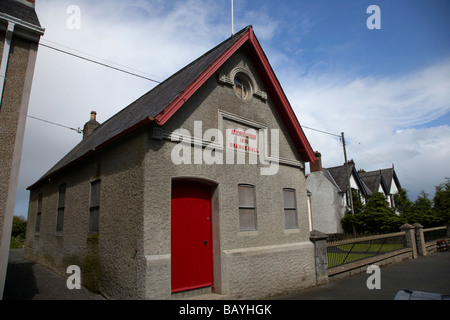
(373,180)
(389,175)
(162,102)
(382,177)
(340,178)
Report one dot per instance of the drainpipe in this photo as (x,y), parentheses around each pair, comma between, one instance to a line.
(5,56)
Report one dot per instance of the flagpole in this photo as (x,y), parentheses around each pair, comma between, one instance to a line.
(232,19)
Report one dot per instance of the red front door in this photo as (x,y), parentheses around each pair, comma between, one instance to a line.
(191,241)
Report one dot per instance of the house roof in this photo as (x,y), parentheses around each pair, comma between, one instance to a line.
(161,103)
(389,175)
(382,177)
(373,180)
(20,11)
(340,177)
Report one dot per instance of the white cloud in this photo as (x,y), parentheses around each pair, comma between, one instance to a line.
(153,39)
(380,118)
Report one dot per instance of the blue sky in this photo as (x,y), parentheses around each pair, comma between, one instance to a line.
(332,35)
(388,89)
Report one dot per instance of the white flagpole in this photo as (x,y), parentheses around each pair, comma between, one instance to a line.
(232,19)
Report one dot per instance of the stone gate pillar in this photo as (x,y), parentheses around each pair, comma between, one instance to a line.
(319,240)
(410,238)
(420,239)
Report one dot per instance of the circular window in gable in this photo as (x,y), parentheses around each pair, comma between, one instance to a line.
(242,86)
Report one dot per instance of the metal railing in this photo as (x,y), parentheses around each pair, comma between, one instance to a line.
(345,251)
(437,233)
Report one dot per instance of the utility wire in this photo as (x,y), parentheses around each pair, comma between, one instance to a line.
(331,134)
(99,63)
(363,151)
(52,43)
(57,124)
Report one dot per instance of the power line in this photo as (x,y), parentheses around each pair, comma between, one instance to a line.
(57,124)
(99,63)
(374,159)
(329,133)
(363,151)
(99,58)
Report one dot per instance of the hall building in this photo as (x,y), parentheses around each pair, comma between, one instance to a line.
(196,187)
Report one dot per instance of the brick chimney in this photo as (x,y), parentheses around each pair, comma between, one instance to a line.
(316,165)
(91,125)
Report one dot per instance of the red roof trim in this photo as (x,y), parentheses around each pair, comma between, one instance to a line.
(304,148)
(192,88)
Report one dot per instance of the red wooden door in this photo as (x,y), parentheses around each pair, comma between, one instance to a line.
(191,241)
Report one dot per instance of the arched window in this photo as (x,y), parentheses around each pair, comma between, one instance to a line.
(242,85)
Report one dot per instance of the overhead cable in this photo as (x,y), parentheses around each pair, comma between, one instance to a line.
(99,63)
(57,124)
(331,134)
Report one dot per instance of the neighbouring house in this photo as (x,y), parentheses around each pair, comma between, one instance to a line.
(329,190)
(20,32)
(330,199)
(384,181)
(196,187)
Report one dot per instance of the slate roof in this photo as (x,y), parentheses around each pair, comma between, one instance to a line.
(340,178)
(157,105)
(383,177)
(373,180)
(20,11)
(389,175)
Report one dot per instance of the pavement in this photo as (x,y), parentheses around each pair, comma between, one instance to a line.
(26,280)
(427,274)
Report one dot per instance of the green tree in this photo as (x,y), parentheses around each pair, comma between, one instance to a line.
(19,227)
(349,219)
(402,202)
(378,216)
(357,203)
(18,232)
(422,212)
(375,217)
(441,202)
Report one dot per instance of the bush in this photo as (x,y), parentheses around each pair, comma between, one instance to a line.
(19,227)
(421,211)
(375,217)
(18,232)
(442,202)
(378,217)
